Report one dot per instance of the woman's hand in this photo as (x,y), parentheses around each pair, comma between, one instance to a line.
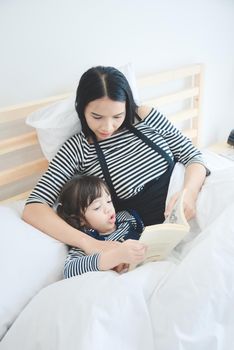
(194,178)
(95,246)
(189,204)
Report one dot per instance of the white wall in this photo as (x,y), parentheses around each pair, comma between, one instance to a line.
(47,44)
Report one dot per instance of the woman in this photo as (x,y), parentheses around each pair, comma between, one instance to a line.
(132,148)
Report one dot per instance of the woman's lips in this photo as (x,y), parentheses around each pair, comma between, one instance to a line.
(105,134)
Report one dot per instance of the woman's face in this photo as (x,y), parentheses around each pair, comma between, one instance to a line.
(105,116)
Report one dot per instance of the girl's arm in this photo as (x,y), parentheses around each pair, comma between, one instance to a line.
(195,175)
(77,263)
(46,220)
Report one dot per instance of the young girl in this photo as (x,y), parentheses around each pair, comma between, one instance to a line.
(85,203)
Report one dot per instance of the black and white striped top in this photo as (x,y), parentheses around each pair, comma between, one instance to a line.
(128,225)
(131,162)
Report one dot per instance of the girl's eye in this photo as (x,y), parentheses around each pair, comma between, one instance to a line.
(109,201)
(96,208)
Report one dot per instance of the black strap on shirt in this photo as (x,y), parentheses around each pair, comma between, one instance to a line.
(104,166)
(105,170)
(151,144)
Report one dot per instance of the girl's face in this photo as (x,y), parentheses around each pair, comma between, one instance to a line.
(105,116)
(100,214)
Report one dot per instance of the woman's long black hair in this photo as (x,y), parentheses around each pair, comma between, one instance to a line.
(98,82)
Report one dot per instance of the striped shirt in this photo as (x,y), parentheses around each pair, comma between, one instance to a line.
(128,225)
(130,161)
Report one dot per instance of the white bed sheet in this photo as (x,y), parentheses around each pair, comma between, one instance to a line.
(184,303)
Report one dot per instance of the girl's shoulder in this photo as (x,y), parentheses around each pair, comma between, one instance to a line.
(143,111)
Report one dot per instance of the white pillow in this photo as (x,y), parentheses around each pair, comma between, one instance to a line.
(59,121)
(55,124)
(29,261)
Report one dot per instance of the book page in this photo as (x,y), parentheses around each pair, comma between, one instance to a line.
(161,239)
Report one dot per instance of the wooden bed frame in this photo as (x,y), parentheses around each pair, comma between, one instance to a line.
(21,159)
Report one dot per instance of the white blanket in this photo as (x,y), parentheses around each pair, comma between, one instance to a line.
(184,303)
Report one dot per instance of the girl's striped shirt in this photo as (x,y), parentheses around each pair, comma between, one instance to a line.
(128,226)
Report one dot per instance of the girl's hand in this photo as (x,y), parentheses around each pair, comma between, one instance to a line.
(128,252)
(121,268)
(131,252)
(189,204)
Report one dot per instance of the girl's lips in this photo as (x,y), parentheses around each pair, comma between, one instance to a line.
(112,218)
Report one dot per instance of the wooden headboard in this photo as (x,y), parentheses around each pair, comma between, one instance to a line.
(176,92)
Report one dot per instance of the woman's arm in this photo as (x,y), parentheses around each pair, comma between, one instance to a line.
(46,220)
(184,152)
(38,210)
(195,175)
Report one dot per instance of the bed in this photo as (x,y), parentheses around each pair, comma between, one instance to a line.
(182,303)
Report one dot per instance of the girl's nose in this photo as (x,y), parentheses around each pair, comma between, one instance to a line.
(107,209)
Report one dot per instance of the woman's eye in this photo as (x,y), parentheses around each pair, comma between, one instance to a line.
(97,118)
(109,201)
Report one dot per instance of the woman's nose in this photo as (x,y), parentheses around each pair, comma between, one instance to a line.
(107,126)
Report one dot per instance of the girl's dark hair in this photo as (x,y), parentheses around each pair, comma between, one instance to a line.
(98,82)
(77,194)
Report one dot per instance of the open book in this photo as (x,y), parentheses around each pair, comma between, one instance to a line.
(161,239)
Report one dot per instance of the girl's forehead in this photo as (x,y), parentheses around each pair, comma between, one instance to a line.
(104,193)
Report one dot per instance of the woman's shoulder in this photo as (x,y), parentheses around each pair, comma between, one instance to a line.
(77,138)
(143,111)
(72,143)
